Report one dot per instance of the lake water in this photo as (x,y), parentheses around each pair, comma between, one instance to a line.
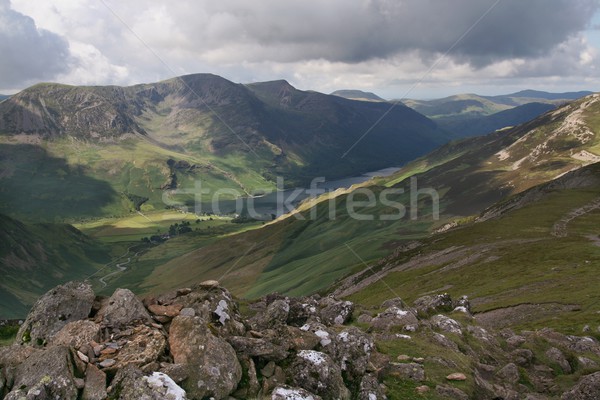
(281,202)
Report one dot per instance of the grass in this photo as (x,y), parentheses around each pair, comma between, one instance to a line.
(8,334)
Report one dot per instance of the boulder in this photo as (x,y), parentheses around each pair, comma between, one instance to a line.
(318,373)
(302,310)
(211,363)
(130,383)
(456,376)
(509,374)
(427,305)
(450,392)
(72,301)
(76,334)
(370,389)
(446,324)
(285,392)
(410,371)
(49,373)
(143,346)
(557,357)
(463,305)
(214,304)
(123,309)
(588,388)
(334,311)
(255,347)
(170,311)
(351,349)
(95,384)
(395,317)
(275,315)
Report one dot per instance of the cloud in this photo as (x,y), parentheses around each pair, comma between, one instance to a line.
(28,54)
(321,44)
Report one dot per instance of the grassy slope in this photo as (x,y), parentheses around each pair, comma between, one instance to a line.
(512,260)
(47,255)
(306,256)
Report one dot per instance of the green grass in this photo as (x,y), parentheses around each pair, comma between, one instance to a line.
(8,334)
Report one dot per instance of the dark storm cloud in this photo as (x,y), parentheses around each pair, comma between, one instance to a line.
(355,31)
(28,53)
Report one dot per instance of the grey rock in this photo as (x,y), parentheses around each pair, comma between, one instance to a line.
(211,363)
(351,350)
(124,309)
(130,383)
(63,304)
(275,315)
(450,392)
(446,324)
(411,371)
(588,388)
(395,317)
(427,305)
(95,384)
(76,334)
(509,374)
(318,373)
(556,356)
(284,392)
(50,372)
(370,389)
(255,347)
(335,312)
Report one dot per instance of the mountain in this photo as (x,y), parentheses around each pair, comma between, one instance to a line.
(36,257)
(310,251)
(3,97)
(482,125)
(537,94)
(357,95)
(120,143)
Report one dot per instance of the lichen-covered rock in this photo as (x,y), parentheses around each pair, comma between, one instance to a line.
(275,315)
(143,346)
(214,304)
(370,389)
(351,349)
(463,305)
(285,392)
(211,363)
(130,383)
(318,373)
(49,372)
(509,374)
(255,347)
(450,392)
(76,334)
(335,312)
(427,305)
(302,310)
(588,388)
(395,317)
(123,309)
(72,301)
(446,324)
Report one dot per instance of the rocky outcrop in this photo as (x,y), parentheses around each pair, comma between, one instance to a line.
(194,343)
(65,303)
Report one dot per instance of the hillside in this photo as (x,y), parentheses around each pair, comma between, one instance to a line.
(137,142)
(357,95)
(482,125)
(296,257)
(36,257)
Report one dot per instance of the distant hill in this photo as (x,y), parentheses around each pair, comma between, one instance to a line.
(136,142)
(485,124)
(472,105)
(3,97)
(36,257)
(357,95)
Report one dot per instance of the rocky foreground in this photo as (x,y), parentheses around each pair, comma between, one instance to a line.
(194,343)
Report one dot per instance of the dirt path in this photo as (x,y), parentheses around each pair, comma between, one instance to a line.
(560,228)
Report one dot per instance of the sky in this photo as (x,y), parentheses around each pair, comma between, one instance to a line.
(395,48)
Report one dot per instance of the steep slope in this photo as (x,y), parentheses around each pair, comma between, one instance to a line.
(145,139)
(357,95)
(302,256)
(36,257)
